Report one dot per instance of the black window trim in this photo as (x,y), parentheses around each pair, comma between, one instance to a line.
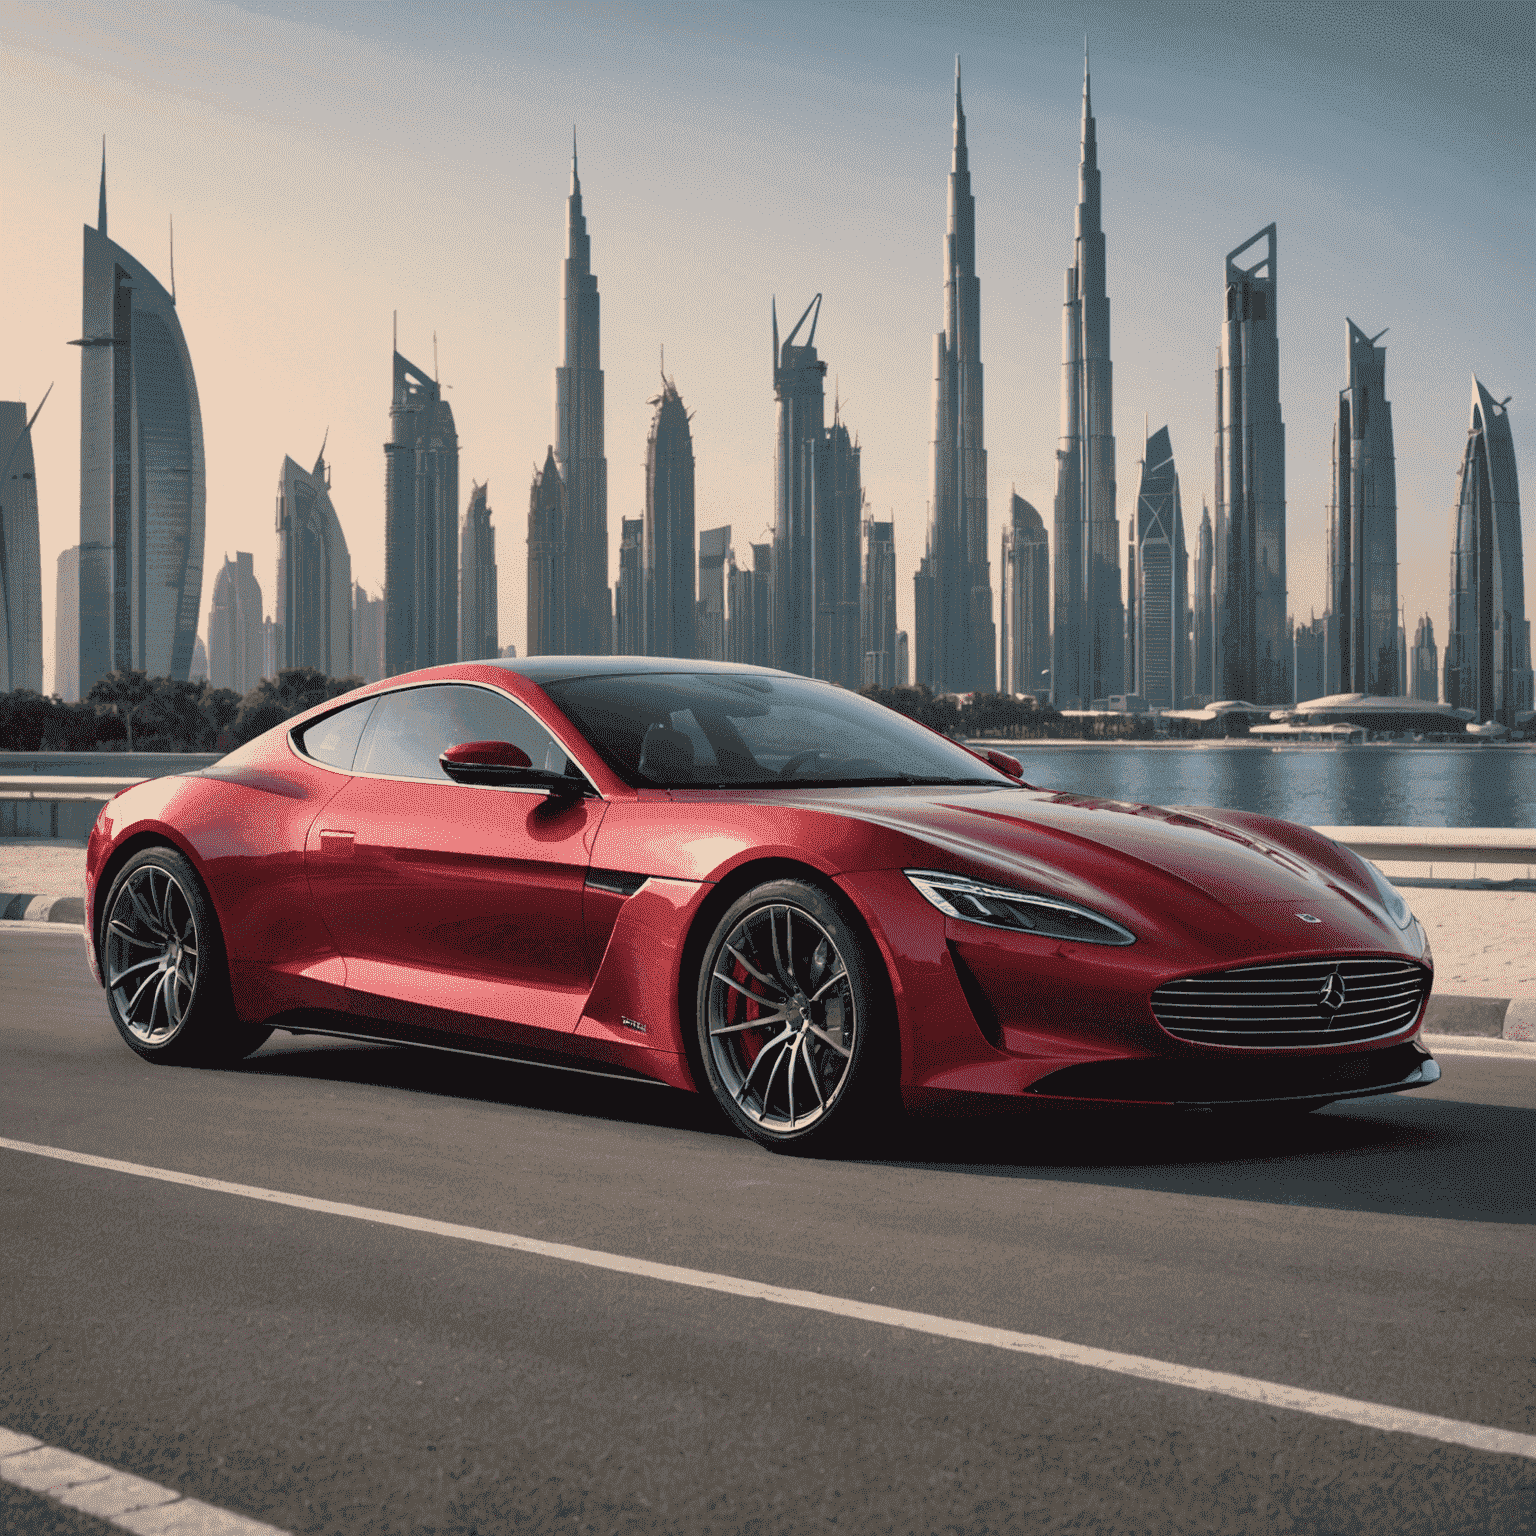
(591,790)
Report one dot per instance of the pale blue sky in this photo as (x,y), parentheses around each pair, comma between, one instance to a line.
(327,164)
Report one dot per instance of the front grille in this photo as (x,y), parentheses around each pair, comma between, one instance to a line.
(1294,1003)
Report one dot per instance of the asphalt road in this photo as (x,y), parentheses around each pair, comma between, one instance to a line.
(327,1374)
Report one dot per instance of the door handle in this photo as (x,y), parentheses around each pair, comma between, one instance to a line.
(334,841)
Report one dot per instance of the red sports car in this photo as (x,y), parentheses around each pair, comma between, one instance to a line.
(744,882)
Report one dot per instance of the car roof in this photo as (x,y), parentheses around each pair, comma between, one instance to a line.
(561,669)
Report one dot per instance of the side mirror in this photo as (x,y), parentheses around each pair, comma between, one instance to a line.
(499,762)
(1006,764)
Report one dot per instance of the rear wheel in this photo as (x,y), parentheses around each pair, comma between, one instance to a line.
(797,1046)
(167,979)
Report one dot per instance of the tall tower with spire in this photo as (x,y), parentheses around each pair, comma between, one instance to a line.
(956,635)
(142,489)
(578,445)
(799,386)
(1088,654)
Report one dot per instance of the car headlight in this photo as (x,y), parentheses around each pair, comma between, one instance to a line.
(996,906)
(1391,897)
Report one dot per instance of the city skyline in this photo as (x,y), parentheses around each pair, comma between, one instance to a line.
(877,370)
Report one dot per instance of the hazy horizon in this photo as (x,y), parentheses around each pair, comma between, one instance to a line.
(328,165)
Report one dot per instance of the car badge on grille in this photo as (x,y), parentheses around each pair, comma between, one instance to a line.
(1307,917)
(1331,999)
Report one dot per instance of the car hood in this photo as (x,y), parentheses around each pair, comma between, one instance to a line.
(1188,866)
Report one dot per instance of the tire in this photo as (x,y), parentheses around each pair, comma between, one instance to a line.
(817,1075)
(163,960)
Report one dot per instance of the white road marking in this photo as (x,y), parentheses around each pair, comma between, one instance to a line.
(1248,1389)
(130,1503)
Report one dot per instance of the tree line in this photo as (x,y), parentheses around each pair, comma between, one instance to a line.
(130,712)
(1009,716)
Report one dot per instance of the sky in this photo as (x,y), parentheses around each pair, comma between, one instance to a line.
(329,165)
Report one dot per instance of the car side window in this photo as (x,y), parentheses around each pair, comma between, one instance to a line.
(412,728)
(333,739)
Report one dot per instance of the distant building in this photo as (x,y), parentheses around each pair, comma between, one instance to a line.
(748,631)
(952,587)
(547,586)
(367,634)
(1089,635)
(799,387)
(234,626)
(199,669)
(1025,661)
(66,626)
(142,490)
(1362,529)
(709,626)
(477,579)
(1252,660)
(1203,683)
(878,600)
(1309,659)
(509,651)
(1157,584)
(903,670)
(21,571)
(669,528)
(578,446)
(629,590)
(1424,663)
(421,525)
(837,491)
(271,648)
(314,573)
(1488,647)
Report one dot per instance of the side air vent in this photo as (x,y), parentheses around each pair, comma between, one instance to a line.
(1294,1004)
(617,882)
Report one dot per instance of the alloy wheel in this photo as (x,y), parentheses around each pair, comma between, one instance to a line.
(782,1019)
(152,955)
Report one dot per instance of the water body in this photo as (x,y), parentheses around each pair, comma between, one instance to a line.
(1367,784)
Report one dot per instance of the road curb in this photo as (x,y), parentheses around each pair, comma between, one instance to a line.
(28,907)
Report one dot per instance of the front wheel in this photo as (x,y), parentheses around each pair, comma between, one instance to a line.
(796,1040)
(167,980)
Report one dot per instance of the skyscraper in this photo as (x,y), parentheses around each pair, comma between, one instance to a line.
(1253,661)
(477,579)
(21,571)
(1362,529)
(1026,609)
(234,626)
(709,630)
(878,604)
(799,386)
(1203,684)
(748,625)
(314,574)
(1424,666)
(629,590)
(838,511)
(669,528)
(421,525)
(956,637)
(1089,642)
(142,492)
(367,634)
(1157,584)
(66,625)
(579,452)
(547,562)
(1488,648)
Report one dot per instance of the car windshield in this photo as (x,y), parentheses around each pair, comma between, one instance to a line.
(755,730)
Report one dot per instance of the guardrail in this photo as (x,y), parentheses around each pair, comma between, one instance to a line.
(65,805)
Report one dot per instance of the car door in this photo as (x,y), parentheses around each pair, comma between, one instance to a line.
(457,907)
